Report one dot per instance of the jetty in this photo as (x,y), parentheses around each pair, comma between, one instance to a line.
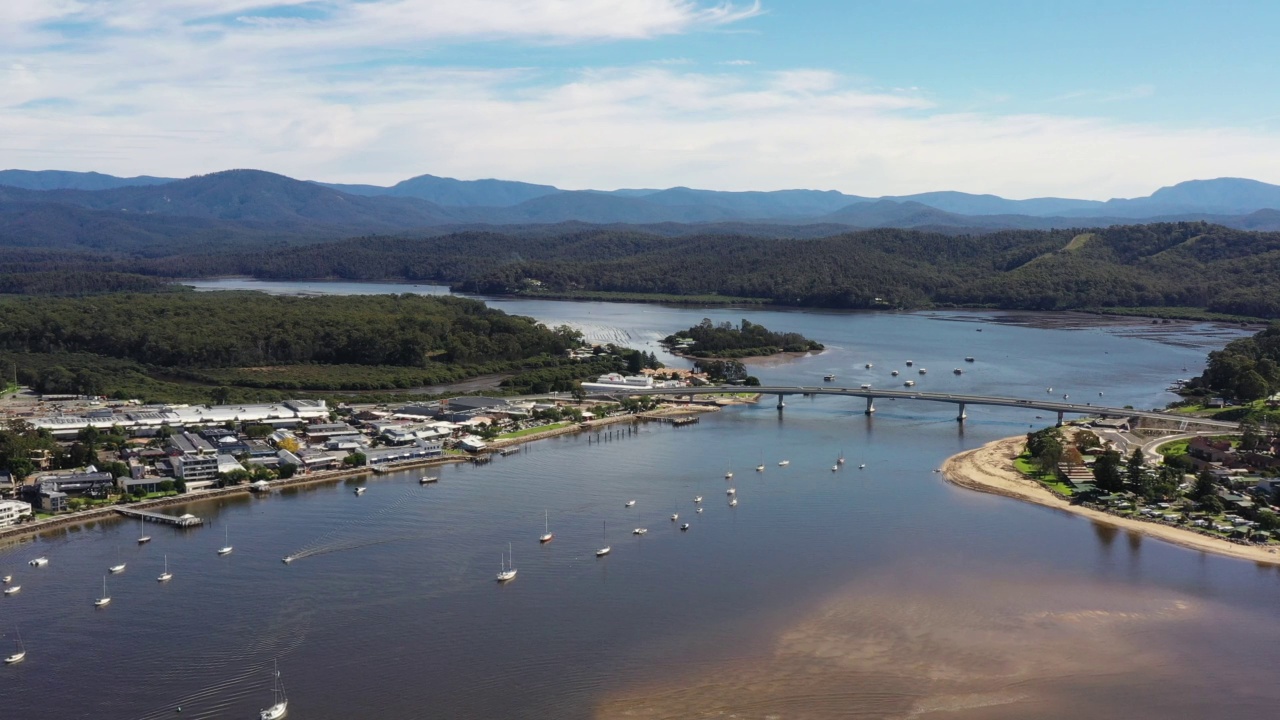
(183,521)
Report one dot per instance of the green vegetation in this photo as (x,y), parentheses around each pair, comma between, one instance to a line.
(746,340)
(667,298)
(1028,466)
(247,346)
(1248,368)
(534,430)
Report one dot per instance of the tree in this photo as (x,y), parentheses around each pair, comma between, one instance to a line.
(166,486)
(1136,468)
(355,459)
(289,443)
(21,467)
(1049,453)
(1206,486)
(220,394)
(1211,504)
(1251,435)
(1106,472)
(286,471)
(751,381)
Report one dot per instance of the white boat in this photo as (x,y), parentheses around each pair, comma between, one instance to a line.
(20,654)
(697,499)
(13,590)
(910,363)
(361,490)
(117,568)
(835,468)
(427,479)
(894,373)
(226,549)
(105,597)
(699,511)
(684,526)
(923,371)
(675,517)
(868,366)
(828,377)
(546,528)
(909,383)
(728,475)
(863,466)
(631,503)
(866,386)
(760,467)
(640,531)
(165,576)
(286,559)
(730,491)
(958,371)
(506,571)
(39,562)
(840,459)
(1048,390)
(604,550)
(733,502)
(281,704)
(783,463)
(7,579)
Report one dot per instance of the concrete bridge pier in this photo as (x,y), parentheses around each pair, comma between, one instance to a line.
(961,415)
(871,405)
(781,404)
(1059,418)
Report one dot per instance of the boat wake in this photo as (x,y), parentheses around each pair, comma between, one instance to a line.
(354,533)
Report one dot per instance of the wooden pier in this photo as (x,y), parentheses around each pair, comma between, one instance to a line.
(183,521)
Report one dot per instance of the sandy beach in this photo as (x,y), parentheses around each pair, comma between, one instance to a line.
(990,469)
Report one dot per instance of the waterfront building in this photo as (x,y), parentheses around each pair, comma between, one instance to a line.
(12,510)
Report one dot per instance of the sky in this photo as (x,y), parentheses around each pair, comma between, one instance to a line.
(1021,98)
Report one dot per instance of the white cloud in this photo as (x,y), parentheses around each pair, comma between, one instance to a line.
(337,91)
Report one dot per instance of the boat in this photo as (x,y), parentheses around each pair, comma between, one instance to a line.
(286,559)
(868,366)
(910,363)
(546,528)
(699,511)
(675,517)
(631,503)
(828,377)
(684,526)
(281,704)
(13,590)
(7,579)
(863,466)
(427,479)
(835,468)
(165,576)
(909,383)
(226,549)
(21,653)
(728,474)
(958,371)
(640,531)
(697,499)
(604,550)
(730,491)
(39,562)
(866,386)
(105,597)
(840,459)
(1048,390)
(783,463)
(118,567)
(733,502)
(924,371)
(969,359)
(894,373)
(361,490)
(506,571)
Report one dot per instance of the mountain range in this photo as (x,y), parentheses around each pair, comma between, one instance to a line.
(68,209)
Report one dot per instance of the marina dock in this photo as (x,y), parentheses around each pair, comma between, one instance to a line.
(184,521)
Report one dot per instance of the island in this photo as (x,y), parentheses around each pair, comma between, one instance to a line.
(706,340)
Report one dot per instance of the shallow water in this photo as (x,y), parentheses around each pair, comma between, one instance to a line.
(881,592)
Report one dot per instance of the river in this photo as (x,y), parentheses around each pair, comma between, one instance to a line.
(881,592)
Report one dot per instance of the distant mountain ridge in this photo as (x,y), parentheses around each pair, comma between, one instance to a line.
(279,203)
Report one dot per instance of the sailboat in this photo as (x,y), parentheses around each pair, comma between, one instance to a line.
(508,571)
(226,549)
(728,474)
(546,529)
(281,705)
(118,567)
(604,550)
(783,463)
(760,467)
(20,655)
(144,537)
(105,597)
(165,576)
(733,502)
(840,460)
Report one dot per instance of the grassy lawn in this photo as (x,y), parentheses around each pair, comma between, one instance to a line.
(1025,465)
(532,430)
(1173,449)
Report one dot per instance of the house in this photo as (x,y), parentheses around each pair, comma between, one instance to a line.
(471,443)
(13,510)
(1209,450)
(52,501)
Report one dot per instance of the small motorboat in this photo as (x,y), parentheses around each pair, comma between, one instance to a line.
(969,359)
(894,373)
(361,490)
(630,503)
(7,579)
(924,371)
(783,463)
(863,466)
(427,479)
(39,562)
(835,468)
(910,363)
(909,383)
(760,467)
(13,590)
(733,502)
(286,559)
(684,526)
(828,377)
(675,517)
(730,491)
(697,499)
(866,386)
(699,511)
(957,371)
(640,531)
(116,569)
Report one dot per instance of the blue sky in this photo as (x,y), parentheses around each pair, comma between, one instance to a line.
(1083,99)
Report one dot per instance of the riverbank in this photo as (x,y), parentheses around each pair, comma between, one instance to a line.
(990,469)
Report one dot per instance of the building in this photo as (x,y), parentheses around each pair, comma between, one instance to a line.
(93,484)
(327,431)
(463,408)
(614,382)
(423,450)
(195,468)
(148,420)
(52,501)
(12,510)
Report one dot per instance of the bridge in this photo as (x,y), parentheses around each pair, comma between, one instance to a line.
(963,401)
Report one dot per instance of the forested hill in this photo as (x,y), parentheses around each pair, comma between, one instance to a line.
(1176,265)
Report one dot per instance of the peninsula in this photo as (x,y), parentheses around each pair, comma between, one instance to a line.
(725,341)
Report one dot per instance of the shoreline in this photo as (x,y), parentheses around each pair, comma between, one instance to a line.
(989,469)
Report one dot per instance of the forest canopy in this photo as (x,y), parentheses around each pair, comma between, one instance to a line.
(745,340)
